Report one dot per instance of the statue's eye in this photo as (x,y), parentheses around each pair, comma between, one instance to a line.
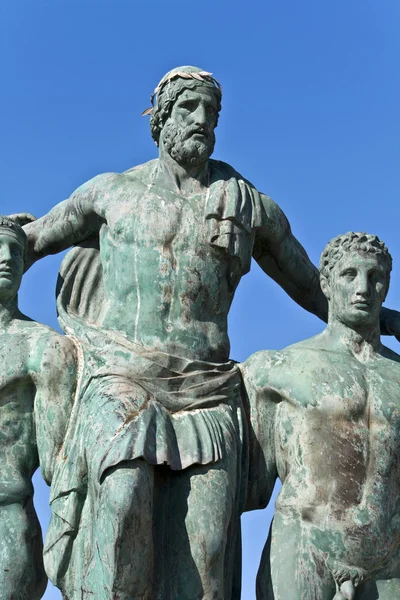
(189,106)
(16,251)
(376,276)
(348,274)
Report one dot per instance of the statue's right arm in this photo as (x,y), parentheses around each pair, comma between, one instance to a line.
(68,223)
(262,400)
(54,372)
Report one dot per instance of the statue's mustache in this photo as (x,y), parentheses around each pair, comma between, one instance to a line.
(195,130)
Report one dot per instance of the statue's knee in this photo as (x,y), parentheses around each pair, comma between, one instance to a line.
(126,485)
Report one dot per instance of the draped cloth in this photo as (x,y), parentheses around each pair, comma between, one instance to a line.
(136,402)
(233,212)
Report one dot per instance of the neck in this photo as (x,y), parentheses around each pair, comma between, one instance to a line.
(363,343)
(191,179)
(8,311)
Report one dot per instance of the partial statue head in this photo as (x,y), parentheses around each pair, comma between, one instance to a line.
(355,274)
(13,244)
(186,105)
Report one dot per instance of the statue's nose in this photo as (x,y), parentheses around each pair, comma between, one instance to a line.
(200,115)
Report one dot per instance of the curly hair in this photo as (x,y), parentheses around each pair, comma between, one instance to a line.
(7,223)
(171,86)
(350,242)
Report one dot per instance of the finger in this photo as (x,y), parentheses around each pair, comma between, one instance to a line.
(22,218)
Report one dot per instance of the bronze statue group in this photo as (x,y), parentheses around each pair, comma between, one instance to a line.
(153,441)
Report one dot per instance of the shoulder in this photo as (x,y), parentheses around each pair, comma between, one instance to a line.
(269,205)
(225,171)
(276,368)
(93,195)
(141,171)
(139,177)
(104,181)
(98,183)
(260,359)
(305,355)
(48,349)
(272,221)
(308,346)
(259,367)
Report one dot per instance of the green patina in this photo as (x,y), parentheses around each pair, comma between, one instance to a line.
(154,461)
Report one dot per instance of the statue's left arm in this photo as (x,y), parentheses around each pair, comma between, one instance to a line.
(262,402)
(283,258)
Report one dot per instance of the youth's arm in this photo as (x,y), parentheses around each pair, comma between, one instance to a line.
(54,374)
(261,401)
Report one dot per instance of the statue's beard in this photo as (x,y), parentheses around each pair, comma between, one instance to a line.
(182,147)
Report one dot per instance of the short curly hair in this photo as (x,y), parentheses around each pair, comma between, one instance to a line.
(7,223)
(353,242)
(168,92)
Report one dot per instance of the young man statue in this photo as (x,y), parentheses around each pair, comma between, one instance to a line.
(36,375)
(326,419)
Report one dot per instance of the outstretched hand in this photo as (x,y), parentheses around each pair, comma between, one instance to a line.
(22,218)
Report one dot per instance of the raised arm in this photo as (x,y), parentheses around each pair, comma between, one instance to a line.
(69,222)
(284,259)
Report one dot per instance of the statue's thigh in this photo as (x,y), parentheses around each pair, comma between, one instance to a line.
(385,589)
(200,530)
(21,567)
(210,505)
(295,572)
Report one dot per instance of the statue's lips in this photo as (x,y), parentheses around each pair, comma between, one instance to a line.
(201,134)
(5,273)
(361,304)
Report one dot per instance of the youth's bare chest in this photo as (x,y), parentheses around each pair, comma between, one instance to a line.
(356,393)
(14,357)
(343,416)
(16,393)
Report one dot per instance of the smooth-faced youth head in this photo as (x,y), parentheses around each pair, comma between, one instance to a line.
(185,114)
(355,275)
(13,243)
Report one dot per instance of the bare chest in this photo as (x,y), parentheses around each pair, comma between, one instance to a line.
(14,356)
(16,397)
(333,408)
(342,434)
(157,220)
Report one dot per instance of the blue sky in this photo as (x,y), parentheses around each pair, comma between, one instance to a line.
(310,116)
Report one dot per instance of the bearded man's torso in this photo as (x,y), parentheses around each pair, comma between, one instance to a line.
(165,285)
